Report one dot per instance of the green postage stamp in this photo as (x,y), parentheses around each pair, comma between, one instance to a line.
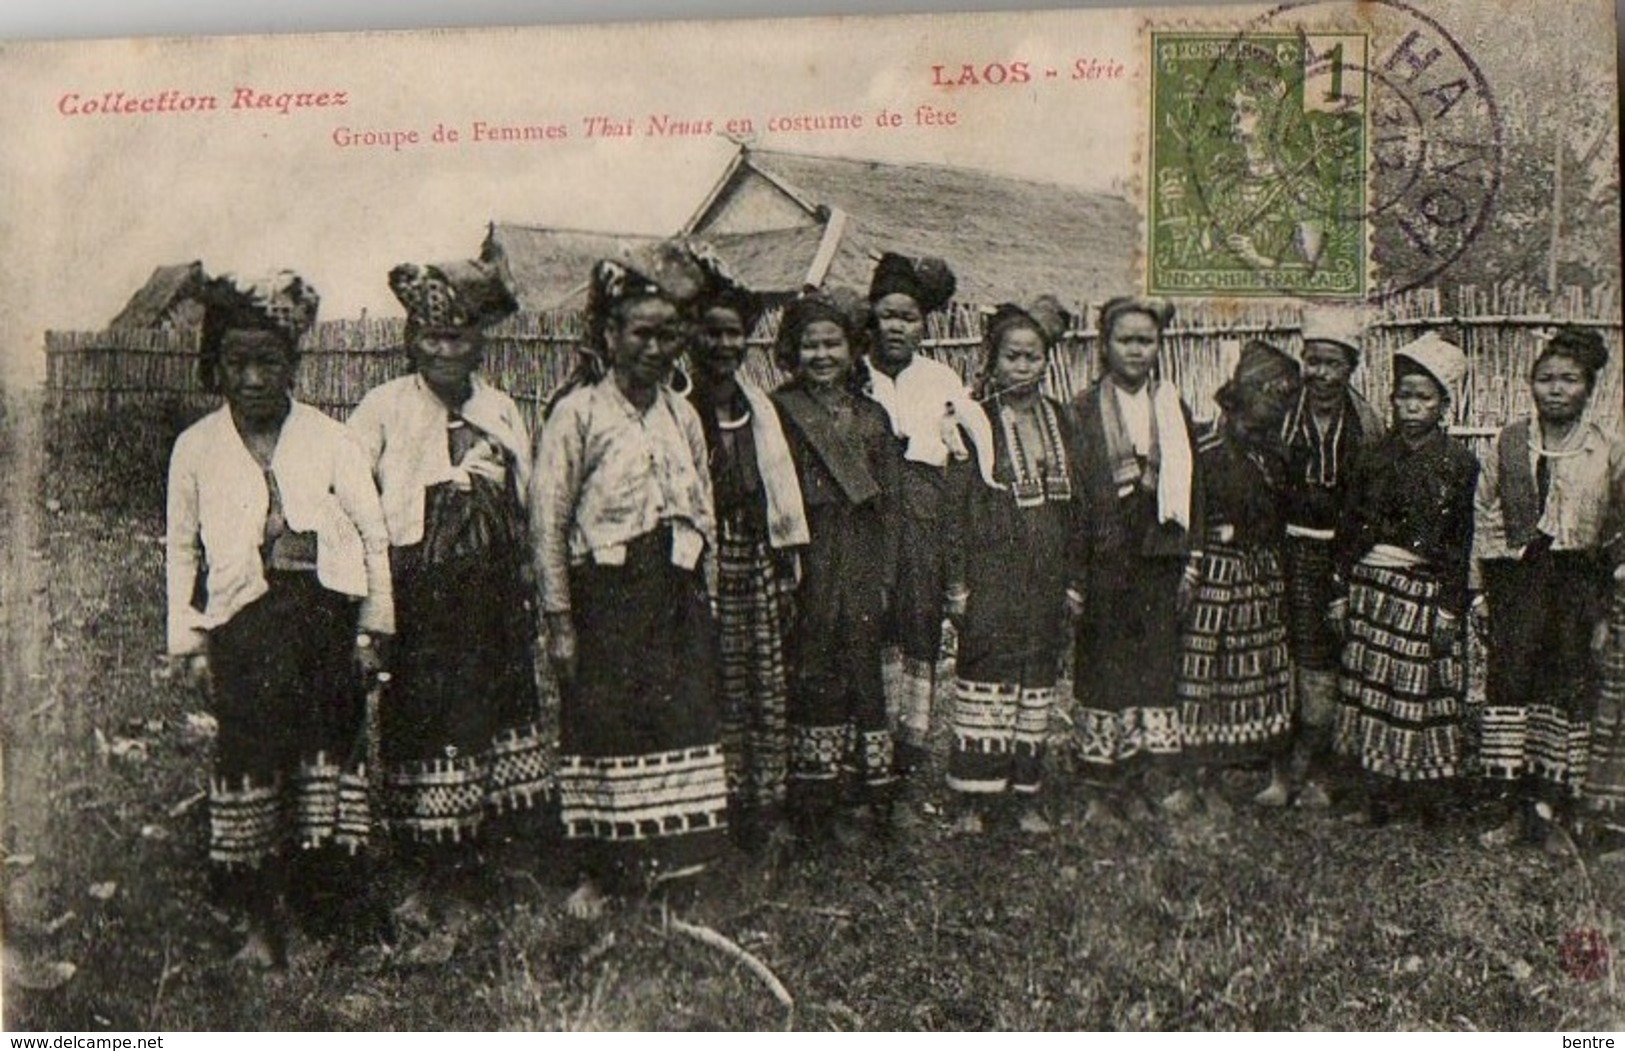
(1258,164)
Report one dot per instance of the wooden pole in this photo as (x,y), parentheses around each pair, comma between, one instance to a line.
(1557,210)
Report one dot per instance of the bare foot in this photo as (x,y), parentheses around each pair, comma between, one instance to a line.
(1313,797)
(262,951)
(1503,835)
(1557,843)
(1181,802)
(414,912)
(1275,795)
(850,832)
(1099,812)
(586,902)
(1135,810)
(457,913)
(1033,823)
(905,820)
(969,823)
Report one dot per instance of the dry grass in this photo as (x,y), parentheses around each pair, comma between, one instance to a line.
(1264,920)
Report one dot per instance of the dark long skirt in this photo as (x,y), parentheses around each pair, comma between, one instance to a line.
(1126,666)
(751,626)
(462,739)
(1011,645)
(1235,684)
(916,615)
(1309,572)
(841,746)
(917,605)
(290,781)
(1401,710)
(1542,681)
(1604,797)
(642,783)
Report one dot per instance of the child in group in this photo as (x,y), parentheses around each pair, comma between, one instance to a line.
(1402,565)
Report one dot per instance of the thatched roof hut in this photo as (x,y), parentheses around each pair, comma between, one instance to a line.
(547,267)
(168,301)
(785,220)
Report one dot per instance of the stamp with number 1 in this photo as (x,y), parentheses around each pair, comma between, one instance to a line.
(1258,164)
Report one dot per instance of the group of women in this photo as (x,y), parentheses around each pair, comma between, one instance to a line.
(742,592)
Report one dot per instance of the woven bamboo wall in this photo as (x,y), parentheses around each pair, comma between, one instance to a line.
(530,355)
(148,380)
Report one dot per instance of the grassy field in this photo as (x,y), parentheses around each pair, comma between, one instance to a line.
(1257,920)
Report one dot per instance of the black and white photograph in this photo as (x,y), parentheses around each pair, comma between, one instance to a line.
(1101,519)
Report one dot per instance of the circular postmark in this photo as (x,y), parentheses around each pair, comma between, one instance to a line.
(1315,144)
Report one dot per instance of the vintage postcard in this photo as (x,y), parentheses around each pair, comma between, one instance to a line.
(1077,519)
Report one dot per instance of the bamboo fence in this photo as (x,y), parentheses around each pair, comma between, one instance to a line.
(148,379)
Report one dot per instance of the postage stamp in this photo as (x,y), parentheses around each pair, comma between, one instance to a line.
(1313,153)
(1258,164)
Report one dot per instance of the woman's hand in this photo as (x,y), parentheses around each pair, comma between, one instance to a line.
(492,470)
(1601,636)
(958,601)
(371,654)
(1337,617)
(561,646)
(197,674)
(1478,613)
(1074,605)
(1189,582)
(1446,632)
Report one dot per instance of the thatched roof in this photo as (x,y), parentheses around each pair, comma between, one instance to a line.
(1006,238)
(167,299)
(548,267)
(774,262)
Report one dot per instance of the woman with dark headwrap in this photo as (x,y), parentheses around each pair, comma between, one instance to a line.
(848,462)
(932,412)
(760,526)
(1550,514)
(1403,550)
(1141,550)
(460,724)
(1009,553)
(1235,682)
(622,512)
(274,532)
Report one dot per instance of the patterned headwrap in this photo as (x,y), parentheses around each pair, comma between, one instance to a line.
(928,281)
(1261,367)
(282,303)
(676,270)
(450,297)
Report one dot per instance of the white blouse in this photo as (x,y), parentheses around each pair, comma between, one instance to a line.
(217,506)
